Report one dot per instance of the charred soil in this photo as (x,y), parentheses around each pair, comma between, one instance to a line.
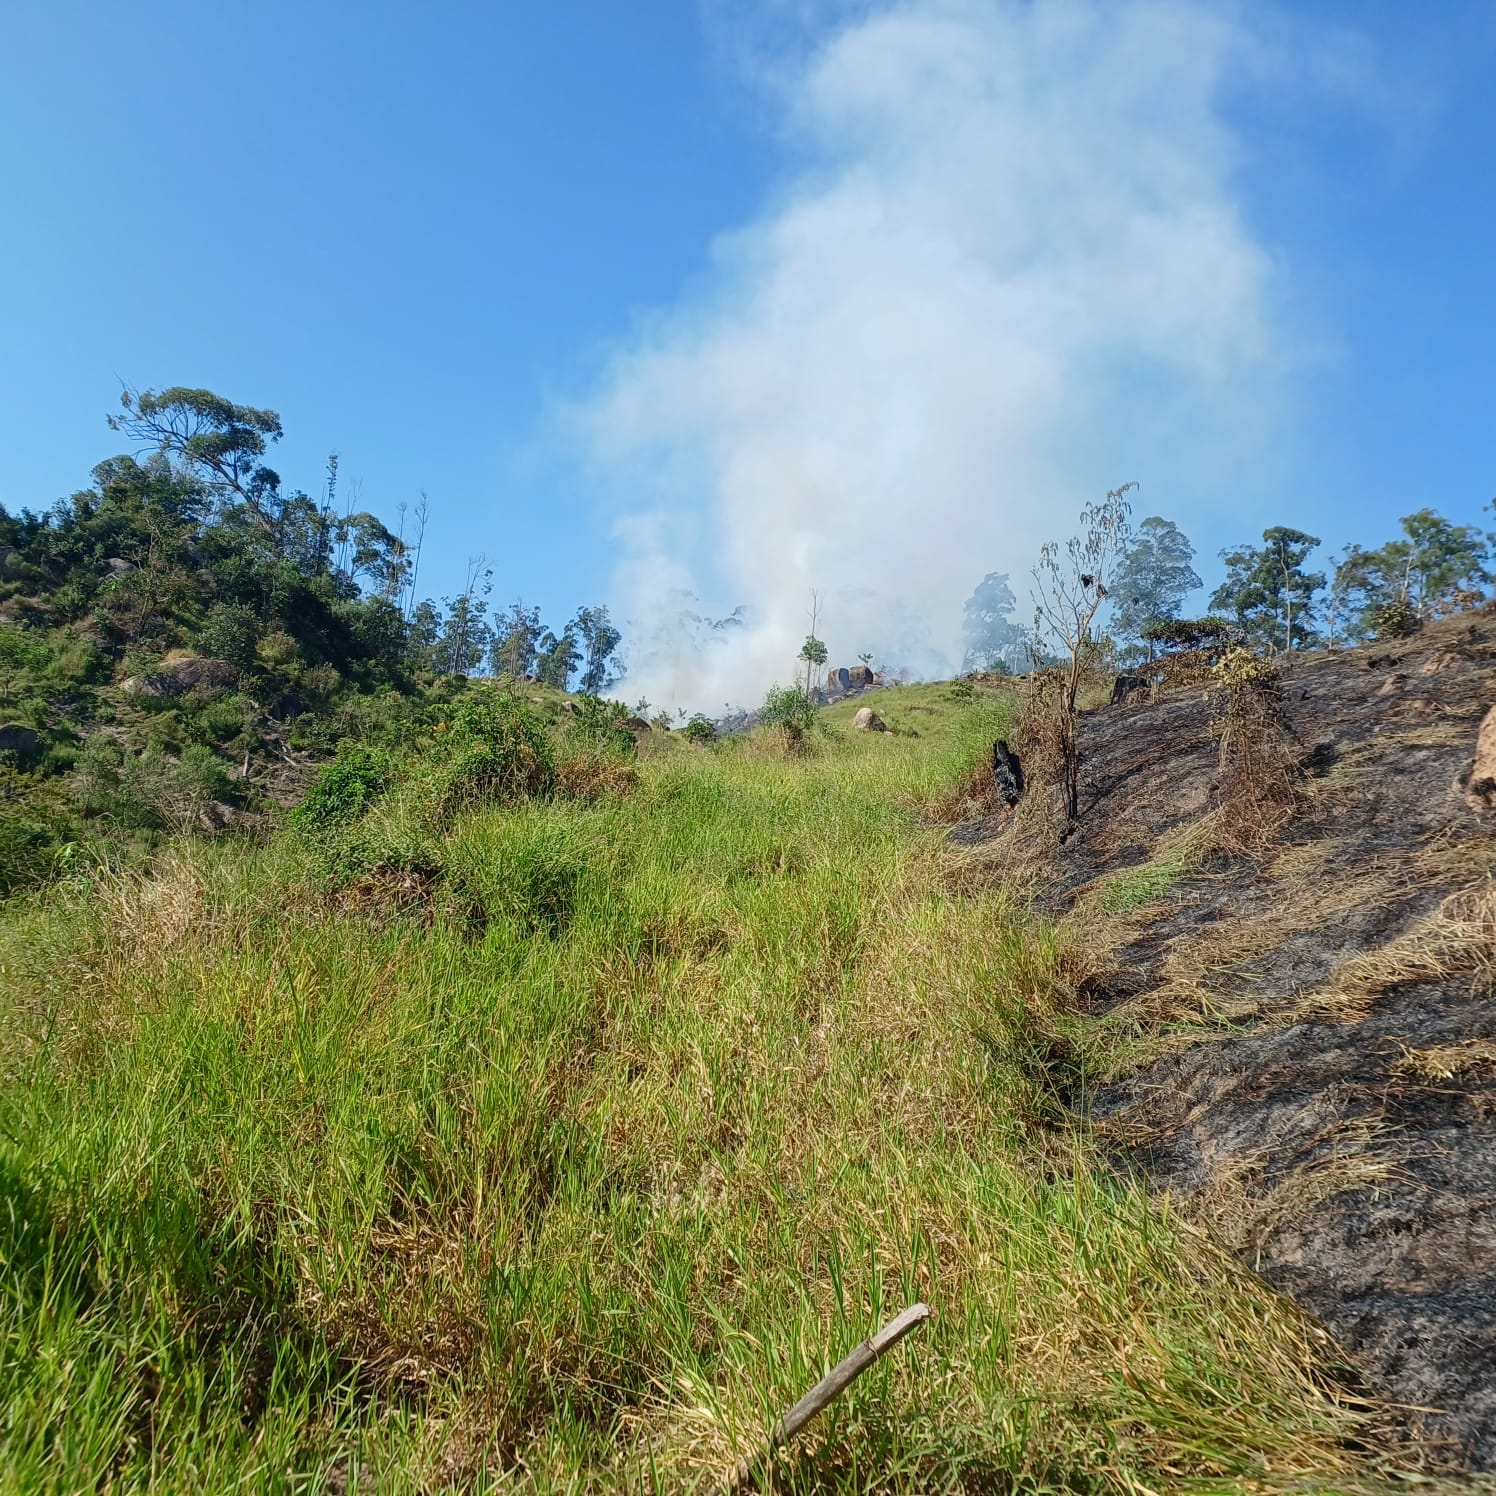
(1302,1039)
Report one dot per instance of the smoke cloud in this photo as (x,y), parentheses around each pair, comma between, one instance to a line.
(1009,270)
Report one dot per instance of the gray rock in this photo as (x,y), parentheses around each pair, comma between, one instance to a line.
(185,676)
(1480,780)
(867,720)
(21,741)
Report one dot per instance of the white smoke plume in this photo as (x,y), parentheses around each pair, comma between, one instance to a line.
(1009,270)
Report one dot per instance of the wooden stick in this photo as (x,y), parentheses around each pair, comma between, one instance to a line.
(826,1391)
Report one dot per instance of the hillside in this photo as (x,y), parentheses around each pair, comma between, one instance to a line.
(508,1121)
(1298,1041)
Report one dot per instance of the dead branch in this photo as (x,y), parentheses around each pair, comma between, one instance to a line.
(825,1392)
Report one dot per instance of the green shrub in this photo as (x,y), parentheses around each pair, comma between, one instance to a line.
(530,870)
(230,631)
(789,709)
(203,775)
(961,691)
(150,791)
(346,788)
(1395,620)
(21,649)
(77,662)
(603,725)
(225,720)
(700,729)
(28,854)
(493,750)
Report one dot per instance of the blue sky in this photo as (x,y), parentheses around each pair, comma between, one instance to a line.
(657,297)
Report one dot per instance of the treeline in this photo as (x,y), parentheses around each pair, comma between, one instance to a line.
(198,544)
(172,636)
(1272,597)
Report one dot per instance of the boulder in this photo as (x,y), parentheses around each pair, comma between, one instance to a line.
(1127,686)
(838,678)
(1479,783)
(867,720)
(858,677)
(185,676)
(21,741)
(1007,773)
(118,566)
(636,724)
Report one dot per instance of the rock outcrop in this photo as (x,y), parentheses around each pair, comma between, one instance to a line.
(19,740)
(867,720)
(184,676)
(1480,781)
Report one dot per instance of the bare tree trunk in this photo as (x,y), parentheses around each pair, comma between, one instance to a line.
(423,511)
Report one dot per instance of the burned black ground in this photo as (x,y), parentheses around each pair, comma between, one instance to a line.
(1309,1034)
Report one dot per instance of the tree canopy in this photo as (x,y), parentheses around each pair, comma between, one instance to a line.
(217,618)
(1432,567)
(1152,579)
(991,639)
(1269,593)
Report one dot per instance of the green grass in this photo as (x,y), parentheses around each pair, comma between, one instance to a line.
(1133,887)
(577,1174)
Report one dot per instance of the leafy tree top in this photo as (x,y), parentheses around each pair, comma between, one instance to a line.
(1153,578)
(990,636)
(215,438)
(1268,591)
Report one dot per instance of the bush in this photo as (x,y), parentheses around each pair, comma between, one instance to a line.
(493,750)
(1395,620)
(78,662)
(28,855)
(204,776)
(225,719)
(791,710)
(346,788)
(526,870)
(589,773)
(961,691)
(150,791)
(1239,669)
(603,725)
(700,729)
(230,632)
(1256,778)
(1211,633)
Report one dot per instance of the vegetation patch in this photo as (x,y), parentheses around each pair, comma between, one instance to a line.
(726,1080)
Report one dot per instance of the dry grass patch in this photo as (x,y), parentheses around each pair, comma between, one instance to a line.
(1441,1062)
(1460,938)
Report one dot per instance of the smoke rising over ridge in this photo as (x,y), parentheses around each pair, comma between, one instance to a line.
(1009,270)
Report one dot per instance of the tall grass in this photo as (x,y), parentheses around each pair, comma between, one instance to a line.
(575,1183)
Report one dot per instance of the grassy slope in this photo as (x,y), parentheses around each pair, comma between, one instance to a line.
(737,1066)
